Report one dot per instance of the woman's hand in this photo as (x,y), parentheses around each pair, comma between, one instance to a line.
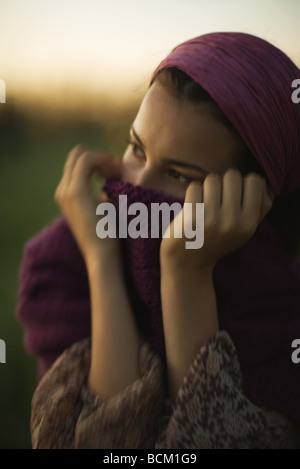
(114,336)
(233,208)
(76,200)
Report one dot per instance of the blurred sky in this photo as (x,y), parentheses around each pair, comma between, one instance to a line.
(113,45)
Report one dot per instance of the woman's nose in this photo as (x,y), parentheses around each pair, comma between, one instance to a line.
(146,176)
(148,179)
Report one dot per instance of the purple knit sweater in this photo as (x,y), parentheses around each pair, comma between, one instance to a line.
(257,288)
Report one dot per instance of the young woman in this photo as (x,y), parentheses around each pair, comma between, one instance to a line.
(187,348)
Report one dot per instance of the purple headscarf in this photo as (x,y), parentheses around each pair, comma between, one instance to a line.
(251,81)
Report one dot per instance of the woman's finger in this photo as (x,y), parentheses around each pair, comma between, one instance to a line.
(92,161)
(252,198)
(194,196)
(72,158)
(194,192)
(212,198)
(232,194)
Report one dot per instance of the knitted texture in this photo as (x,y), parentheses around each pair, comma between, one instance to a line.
(257,289)
(66,414)
(210,412)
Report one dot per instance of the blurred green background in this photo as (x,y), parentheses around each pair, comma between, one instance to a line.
(33,148)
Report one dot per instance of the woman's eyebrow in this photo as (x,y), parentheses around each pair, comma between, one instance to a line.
(137,137)
(182,164)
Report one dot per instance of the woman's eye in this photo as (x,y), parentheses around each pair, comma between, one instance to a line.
(136,149)
(178,176)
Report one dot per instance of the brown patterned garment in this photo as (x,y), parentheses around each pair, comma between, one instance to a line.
(210,411)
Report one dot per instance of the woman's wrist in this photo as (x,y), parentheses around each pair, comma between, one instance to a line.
(189,317)
(99,257)
(189,288)
(115,340)
(185,266)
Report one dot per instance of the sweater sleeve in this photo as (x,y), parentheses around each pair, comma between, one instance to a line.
(210,411)
(53,295)
(67,414)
